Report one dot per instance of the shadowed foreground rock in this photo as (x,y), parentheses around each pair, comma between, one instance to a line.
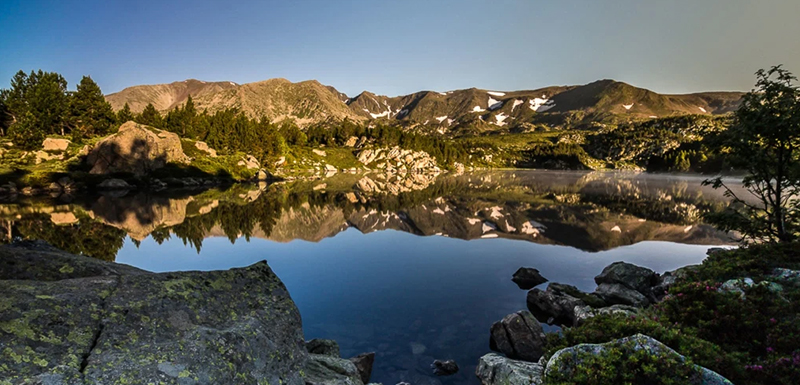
(92,322)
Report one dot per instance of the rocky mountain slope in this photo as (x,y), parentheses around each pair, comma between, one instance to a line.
(310,102)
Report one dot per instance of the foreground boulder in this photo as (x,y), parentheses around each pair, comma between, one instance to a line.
(494,369)
(527,278)
(92,322)
(565,362)
(519,336)
(135,149)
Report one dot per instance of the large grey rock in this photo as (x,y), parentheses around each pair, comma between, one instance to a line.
(494,369)
(519,336)
(37,260)
(553,305)
(326,370)
(618,294)
(567,360)
(129,326)
(324,347)
(527,278)
(631,276)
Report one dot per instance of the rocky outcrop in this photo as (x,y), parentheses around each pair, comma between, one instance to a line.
(567,361)
(399,160)
(584,313)
(527,278)
(519,336)
(93,322)
(136,149)
(494,369)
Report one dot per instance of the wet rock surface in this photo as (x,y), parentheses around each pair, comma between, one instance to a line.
(518,336)
(527,278)
(444,368)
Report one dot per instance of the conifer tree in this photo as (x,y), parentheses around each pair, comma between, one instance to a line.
(37,105)
(125,114)
(150,116)
(90,113)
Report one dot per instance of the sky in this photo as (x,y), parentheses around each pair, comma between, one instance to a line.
(398,47)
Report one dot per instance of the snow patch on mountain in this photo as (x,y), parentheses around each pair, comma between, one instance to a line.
(541,104)
(517,102)
(441,118)
(702,109)
(478,109)
(494,104)
(495,93)
(500,119)
(628,106)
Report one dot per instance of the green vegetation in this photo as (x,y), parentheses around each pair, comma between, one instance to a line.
(765,141)
(750,338)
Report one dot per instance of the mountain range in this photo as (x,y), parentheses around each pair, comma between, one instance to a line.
(310,102)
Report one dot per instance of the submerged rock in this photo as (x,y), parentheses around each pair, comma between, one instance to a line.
(494,369)
(94,322)
(444,368)
(567,360)
(519,336)
(527,278)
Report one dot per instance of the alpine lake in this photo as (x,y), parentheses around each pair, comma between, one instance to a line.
(414,269)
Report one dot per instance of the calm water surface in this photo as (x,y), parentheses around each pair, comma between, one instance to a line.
(414,270)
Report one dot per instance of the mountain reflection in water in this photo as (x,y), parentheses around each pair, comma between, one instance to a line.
(407,294)
(590,211)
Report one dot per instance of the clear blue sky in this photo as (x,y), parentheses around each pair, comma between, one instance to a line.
(397,47)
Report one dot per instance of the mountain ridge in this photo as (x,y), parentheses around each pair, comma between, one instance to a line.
(309,102)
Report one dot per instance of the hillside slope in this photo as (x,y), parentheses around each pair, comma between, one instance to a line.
(472,109)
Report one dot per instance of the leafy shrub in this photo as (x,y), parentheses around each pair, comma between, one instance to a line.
(625,364)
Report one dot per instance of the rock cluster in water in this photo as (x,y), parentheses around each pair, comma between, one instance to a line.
(623,288)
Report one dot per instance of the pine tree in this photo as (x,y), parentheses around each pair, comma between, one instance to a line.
(125,114)
(90,113)
(37,105)
(150,117)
